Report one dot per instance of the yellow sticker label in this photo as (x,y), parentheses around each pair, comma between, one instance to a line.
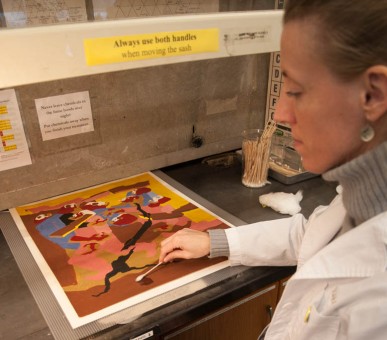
(3,109)
(99,51)
(8,137)
(10,148)
(5,124)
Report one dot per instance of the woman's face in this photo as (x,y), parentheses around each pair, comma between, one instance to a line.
(324,113)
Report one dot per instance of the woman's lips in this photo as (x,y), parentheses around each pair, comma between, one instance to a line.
(297,143)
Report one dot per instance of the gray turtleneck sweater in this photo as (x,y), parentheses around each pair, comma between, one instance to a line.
(364,183)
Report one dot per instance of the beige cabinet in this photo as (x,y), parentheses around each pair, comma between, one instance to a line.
(243,319)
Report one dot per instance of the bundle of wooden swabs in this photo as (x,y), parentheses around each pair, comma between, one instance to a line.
(256,154)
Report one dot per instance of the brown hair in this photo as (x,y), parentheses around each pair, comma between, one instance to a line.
(353,32)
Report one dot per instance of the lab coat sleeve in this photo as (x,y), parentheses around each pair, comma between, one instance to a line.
(269,243)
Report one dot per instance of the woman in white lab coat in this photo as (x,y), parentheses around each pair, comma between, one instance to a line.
(334,97)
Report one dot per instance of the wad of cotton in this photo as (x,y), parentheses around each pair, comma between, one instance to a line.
(282,202)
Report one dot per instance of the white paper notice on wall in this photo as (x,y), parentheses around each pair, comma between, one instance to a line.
(64,115)
(104,10)
(21,13)
(14,150)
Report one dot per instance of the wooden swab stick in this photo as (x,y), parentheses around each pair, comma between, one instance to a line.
(140,277)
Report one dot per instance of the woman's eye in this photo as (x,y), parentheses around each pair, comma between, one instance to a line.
(292,94)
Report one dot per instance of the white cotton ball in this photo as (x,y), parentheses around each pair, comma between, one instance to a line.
(282,202)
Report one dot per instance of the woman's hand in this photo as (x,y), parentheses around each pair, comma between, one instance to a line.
(185,244)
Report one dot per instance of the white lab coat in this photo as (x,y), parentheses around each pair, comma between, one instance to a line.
(340,283)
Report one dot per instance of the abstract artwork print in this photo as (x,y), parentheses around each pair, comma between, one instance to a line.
(92,244)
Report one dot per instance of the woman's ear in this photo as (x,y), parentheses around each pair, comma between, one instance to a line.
(375,99)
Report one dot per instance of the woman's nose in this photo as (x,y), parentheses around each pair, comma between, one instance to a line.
(284,112)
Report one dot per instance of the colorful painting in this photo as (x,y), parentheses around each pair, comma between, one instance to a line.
(91,245)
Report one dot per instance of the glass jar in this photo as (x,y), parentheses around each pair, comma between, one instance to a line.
(255,158)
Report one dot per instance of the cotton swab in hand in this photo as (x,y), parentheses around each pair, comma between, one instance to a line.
(140,277)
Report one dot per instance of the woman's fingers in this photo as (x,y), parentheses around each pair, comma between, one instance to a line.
(185,244)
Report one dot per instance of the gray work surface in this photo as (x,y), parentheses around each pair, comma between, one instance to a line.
(20,318)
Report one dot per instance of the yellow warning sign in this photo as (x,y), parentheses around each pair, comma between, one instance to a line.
(99,51)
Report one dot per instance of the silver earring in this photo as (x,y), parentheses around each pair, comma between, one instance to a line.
(367,133)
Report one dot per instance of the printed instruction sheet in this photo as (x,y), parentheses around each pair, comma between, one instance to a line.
(64,115)
(14,150)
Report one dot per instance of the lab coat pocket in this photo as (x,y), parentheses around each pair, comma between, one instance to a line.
(318,326)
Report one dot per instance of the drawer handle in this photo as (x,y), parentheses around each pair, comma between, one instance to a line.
(269,311)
